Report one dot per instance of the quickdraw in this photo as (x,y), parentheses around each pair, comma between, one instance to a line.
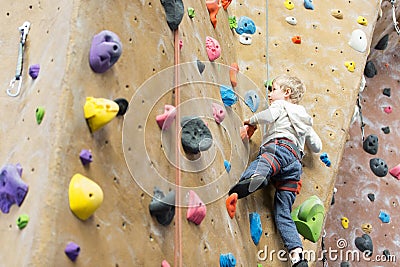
(24,29)
(361,116)
(396,24)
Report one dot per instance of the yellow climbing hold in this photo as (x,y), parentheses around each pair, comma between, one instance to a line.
(289,4)
(345,222)
(361,20)
(85,196)
(337,13)
(351,65)
(99,112)
(367,228)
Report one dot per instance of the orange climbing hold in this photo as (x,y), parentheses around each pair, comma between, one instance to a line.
(296,39)
(226,3)
(213,7)
(234,69)
(231,202)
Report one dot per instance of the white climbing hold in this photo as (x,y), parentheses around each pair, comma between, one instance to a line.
(291,20)
(358,40)
(245,39)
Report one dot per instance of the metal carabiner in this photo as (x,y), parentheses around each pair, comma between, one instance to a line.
(24,29)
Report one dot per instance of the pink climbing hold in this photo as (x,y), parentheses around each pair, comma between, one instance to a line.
(218,113)
(395,172)
(197,210)
(165,263)
(388,109)
(165,120)
(213,48)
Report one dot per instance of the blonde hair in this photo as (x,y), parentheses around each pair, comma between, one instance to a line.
(297,87)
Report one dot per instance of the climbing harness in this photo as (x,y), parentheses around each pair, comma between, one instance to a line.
(24,29)
(395,23)
(361,117)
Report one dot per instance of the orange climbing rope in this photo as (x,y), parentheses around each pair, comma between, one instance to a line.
(178,217)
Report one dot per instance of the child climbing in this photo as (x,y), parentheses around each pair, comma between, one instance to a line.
(279,158)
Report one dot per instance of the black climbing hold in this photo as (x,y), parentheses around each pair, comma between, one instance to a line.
(123,106)
(370,70)
(386,129)
(383,42)
(378,167)
(163,206)
(371,197)
(370,144)
(386,252)
(200,66)
(174,12)
(364,244)
(196,136)
(386,92)
(345,264)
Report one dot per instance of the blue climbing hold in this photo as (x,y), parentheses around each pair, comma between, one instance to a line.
(252,100)
(324,158)
(227,260)
(385,218)
(227,165)
(228,95)
(255,227)
(245,25)
(308,4)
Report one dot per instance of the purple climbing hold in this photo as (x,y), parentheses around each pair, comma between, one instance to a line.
(85,156)
(34,71)
(255,227)
(163,206)
(174,10)
(12,189)
(245,25)
(72,251)
(252,100)
(378,167)
(228,95)
(105,50)
(384,217)
(370,144)
(308,4)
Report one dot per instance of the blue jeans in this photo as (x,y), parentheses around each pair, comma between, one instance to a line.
(290,170)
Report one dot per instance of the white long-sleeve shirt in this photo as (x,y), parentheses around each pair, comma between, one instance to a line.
(291,121)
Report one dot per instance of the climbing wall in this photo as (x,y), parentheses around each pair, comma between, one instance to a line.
(362,197)
(131,154)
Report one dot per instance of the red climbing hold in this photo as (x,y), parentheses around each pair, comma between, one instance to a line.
(213,7)
(388,109)
(234,69)
(296,39)
(231,202)
(165,120)
(395,172)
(197,210)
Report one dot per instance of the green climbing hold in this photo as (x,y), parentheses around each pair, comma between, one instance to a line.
(39,114)
(191,12)
(22,221)
(309,218)
(232,22)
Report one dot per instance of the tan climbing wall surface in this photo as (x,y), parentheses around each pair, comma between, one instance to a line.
(355,179)
(122,232)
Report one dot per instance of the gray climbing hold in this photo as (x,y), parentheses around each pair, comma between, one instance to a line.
(174,12)
(345,264)
(371,197)
(370,144)
(386,92)
(252,100)
(378,167)
(196,136)
(370,70)
(383,43)
(364,244)
(163,206)
(386,129)
(200,66)
(386,253)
